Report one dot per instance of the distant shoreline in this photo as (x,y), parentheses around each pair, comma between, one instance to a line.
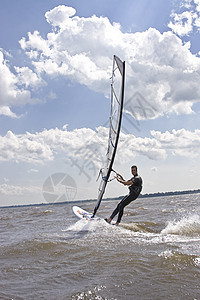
(158,194)
(170,193)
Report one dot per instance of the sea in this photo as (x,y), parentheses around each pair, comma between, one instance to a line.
(46,252)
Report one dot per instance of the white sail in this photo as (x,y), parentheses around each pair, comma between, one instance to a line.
(117,98)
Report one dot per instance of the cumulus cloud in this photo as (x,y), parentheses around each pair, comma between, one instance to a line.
(26,77)
(159,66)
(131,146)
(58,15)
(16,190)
(182,23)
(179,142)
(24,148)
(6,111)
(14,86)
(185,22)
(86,145)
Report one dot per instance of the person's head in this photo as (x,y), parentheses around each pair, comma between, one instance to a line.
(134,170)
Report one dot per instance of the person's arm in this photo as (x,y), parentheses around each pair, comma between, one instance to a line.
(119,176)
(123,181)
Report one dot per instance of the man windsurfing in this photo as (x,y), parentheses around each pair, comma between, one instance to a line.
(135,186)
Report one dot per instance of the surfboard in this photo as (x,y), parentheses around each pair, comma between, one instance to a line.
(83,214)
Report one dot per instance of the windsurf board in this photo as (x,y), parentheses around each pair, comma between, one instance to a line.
(83,214)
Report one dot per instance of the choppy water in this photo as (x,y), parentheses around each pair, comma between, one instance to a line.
(47,253)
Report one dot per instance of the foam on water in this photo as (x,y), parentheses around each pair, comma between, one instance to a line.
(178,232)
(180,260)
(197,261)
(84,225)
(187,226)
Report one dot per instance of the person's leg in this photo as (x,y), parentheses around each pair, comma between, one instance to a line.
(115,212)
(125,201)
(120,208)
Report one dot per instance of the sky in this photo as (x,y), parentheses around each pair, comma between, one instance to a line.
(55,69)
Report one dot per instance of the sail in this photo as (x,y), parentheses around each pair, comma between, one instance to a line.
(117,98)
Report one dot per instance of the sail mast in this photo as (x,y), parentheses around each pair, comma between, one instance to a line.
(117,99)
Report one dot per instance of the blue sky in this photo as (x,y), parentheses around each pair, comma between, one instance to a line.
(55,68)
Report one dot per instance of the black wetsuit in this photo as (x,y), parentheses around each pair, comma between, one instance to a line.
(135,190)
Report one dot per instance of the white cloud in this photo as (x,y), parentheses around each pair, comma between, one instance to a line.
(182,23)
(5,111)
(16,190)
(197,2)
(59,15)
(131,146)
(26,148)
(187,21)
(159,66)
(179,142)
(84,145)
(13,87)
(33,171)
(28,78)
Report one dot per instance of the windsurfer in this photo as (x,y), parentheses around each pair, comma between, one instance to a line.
(135,187)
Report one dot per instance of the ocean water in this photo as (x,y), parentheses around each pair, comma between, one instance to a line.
(46,252)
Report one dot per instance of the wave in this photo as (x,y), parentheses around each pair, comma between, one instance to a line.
(179,259)
(139,226)
(33,247)
(187,226)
